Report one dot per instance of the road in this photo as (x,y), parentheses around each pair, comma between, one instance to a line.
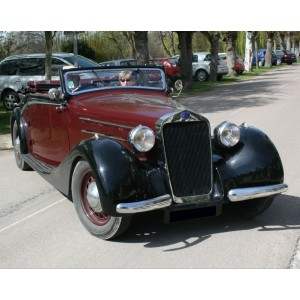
(39,227)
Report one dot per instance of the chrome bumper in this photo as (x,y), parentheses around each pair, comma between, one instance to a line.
(256,192)
(146,205)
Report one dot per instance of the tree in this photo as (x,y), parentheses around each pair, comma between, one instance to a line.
(230,37)
(141,47)
(83,48)
(250,36)
(49,45)
(214,39)
(270,37)
(186,57)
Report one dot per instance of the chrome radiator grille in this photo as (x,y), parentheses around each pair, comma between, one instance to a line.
(189,159)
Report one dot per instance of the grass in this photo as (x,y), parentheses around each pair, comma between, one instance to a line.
(4,120)
(208,86)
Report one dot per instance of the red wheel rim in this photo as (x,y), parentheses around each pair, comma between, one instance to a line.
(97,218)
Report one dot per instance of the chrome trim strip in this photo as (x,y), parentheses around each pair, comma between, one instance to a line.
(105,123)
(103,135)
(256,192)
(145,205)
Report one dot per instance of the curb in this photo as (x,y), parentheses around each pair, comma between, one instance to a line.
(5,142)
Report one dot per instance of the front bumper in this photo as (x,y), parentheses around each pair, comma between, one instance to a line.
(243,194)
(234,195)
(145,205)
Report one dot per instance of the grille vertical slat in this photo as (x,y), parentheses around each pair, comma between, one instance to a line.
(188,154)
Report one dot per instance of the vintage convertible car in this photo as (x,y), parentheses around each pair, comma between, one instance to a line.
(114,142)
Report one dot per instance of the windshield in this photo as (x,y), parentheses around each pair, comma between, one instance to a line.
(80,81)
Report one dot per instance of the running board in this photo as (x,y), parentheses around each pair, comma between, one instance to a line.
(37,165)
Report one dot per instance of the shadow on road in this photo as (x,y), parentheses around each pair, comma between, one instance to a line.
(261,91)
(150,229)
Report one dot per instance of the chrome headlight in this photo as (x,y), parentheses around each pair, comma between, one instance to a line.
(227,134)
(142,138)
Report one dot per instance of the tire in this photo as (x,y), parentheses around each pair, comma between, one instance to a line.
(219,77)
(251,208)
(279,62)
(261,63)
(201,75)
(9,99)
(90,212)
(21,163)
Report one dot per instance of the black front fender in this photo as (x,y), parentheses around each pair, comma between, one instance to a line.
(254,162)
(119,175)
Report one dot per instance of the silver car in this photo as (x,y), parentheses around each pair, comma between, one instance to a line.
(201,66)
(17,70)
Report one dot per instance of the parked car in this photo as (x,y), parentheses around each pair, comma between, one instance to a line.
(201,66)
(119,62)
(286,56)
(117,151)
(239,64)
(17,70)
(172,70)
(261,55)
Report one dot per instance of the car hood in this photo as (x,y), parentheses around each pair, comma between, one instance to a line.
(127,110)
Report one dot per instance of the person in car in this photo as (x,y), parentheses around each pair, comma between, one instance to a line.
(126,78)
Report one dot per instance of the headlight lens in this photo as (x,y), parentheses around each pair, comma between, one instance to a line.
(142,138)
(227,134)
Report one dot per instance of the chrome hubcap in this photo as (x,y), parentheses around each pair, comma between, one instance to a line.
(93,197)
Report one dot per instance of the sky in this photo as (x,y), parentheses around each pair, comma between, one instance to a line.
(156,15)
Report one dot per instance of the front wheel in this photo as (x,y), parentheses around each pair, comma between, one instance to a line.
(87,204)
(252,208)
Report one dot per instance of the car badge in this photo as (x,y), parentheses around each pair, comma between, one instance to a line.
(185,115)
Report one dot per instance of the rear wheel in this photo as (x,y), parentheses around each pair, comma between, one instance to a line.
(17,150)
(9,99)
(201,75)
(87,204)
(252,208)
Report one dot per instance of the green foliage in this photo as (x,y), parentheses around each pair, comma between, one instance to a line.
(83,48)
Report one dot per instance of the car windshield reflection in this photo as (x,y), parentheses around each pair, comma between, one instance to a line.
(80,81)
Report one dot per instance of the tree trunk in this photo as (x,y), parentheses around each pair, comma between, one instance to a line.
(248,51)
(141,47)
(186,57)
(214,38)
(48,59)
(214,58)
(230,40)
(268,58)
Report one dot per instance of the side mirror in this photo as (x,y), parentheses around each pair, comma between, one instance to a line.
(54,94)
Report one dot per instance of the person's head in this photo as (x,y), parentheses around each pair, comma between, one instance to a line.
(125,78)
(73,80)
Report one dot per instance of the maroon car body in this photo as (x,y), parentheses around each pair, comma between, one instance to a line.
(116,150)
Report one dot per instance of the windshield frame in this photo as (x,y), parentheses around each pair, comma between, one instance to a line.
(86,74)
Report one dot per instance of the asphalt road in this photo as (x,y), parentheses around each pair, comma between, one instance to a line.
(39,227)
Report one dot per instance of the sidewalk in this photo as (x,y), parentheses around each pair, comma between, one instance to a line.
(5,142)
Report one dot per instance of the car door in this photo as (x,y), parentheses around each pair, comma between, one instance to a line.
(47,129)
